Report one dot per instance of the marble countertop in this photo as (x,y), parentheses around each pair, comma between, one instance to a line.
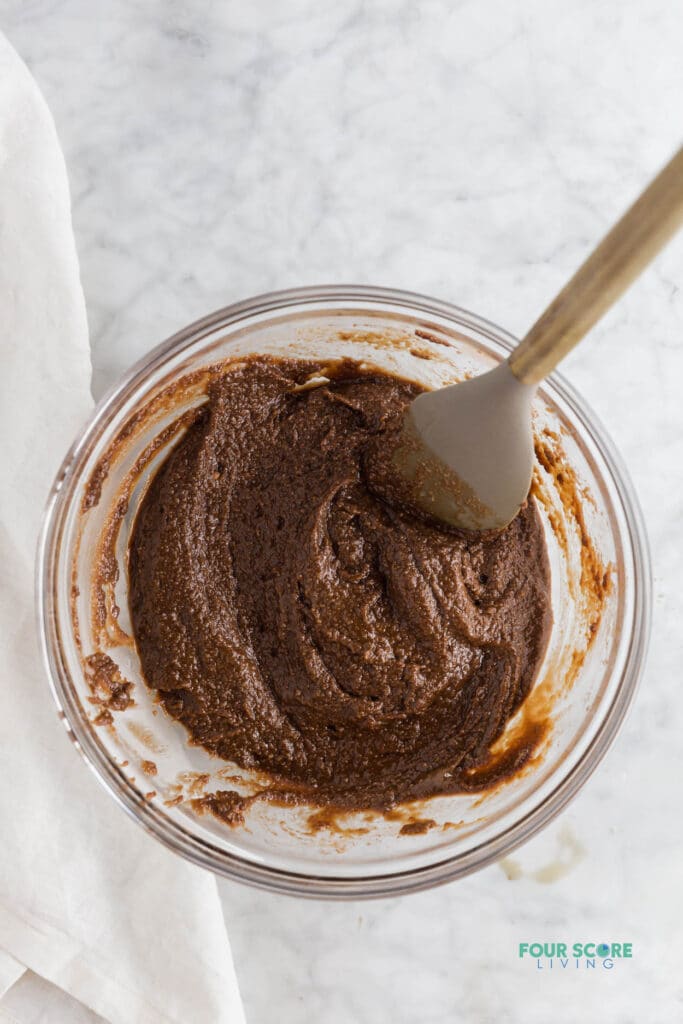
(473,151)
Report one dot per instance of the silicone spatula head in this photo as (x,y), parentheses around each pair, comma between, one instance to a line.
(467,451)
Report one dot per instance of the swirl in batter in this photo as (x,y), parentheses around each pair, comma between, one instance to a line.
(297,624)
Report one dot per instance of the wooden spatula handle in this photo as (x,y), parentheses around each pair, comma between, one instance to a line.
(633,241)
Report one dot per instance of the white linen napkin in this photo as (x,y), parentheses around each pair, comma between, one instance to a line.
(87,900)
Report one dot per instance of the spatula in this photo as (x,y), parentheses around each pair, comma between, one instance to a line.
(467,453)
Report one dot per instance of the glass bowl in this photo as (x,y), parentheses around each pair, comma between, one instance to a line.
(142,757)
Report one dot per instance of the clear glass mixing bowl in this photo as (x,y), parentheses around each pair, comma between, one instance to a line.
(433,343)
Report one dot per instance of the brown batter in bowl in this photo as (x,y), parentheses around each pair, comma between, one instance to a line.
(297,624)
(296,837)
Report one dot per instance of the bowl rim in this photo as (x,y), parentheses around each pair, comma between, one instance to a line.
(232,866)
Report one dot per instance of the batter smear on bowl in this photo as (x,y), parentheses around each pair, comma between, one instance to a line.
(297,624)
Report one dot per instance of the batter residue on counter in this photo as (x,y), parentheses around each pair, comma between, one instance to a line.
(297,624)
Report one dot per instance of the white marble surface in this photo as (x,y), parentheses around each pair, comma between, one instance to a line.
(471,150)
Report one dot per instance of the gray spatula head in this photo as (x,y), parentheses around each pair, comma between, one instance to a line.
(466,455)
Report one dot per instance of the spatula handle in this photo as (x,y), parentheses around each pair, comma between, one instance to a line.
(631,244)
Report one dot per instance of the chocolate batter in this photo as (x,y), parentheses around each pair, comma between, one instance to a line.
(296,623)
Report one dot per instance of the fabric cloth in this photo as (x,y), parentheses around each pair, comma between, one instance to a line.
(88,902)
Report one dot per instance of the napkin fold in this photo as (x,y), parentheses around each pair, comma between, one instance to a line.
(88,901)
